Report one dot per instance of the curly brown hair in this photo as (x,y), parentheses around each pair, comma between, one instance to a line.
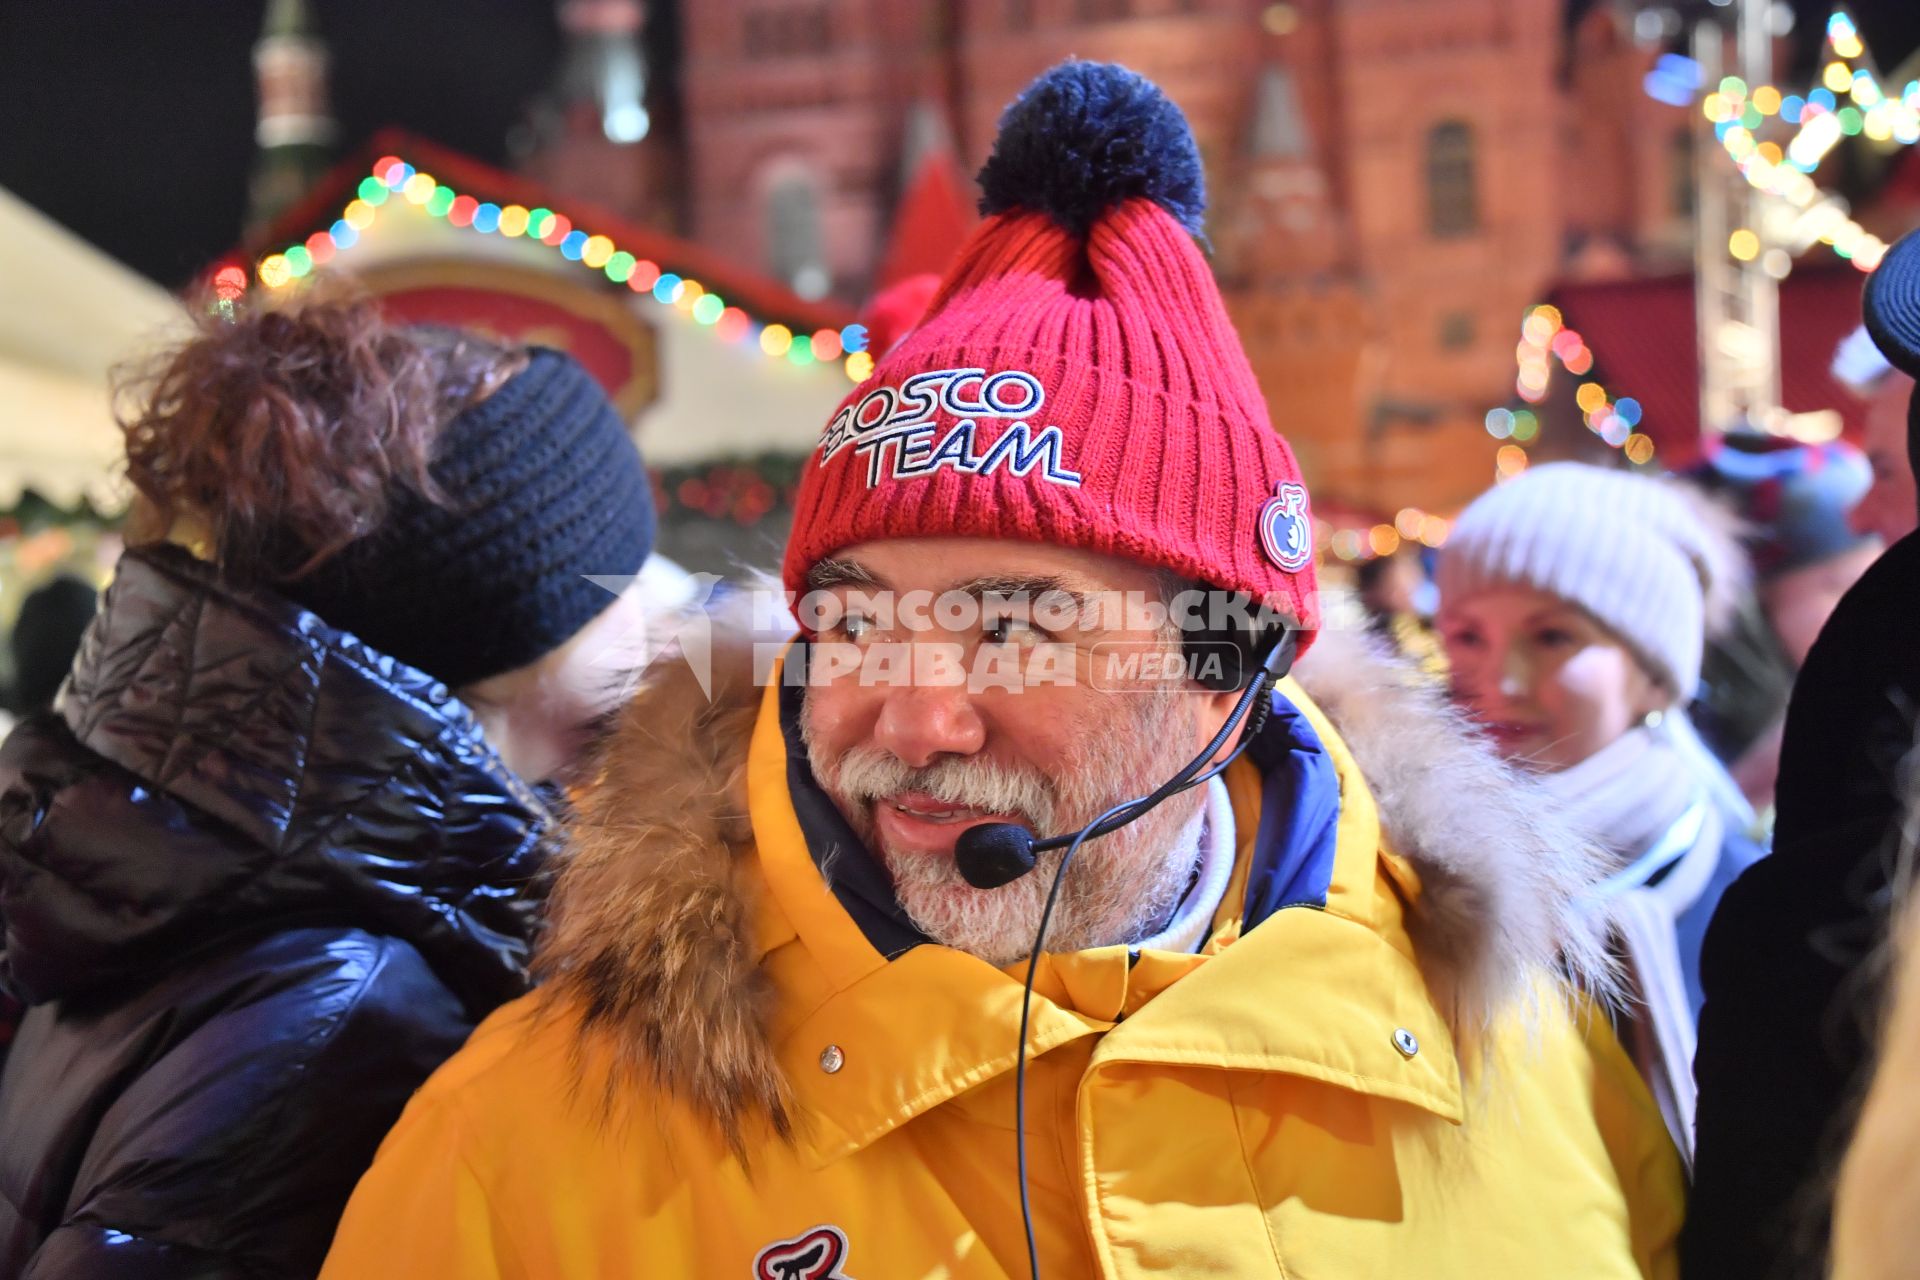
(279,434)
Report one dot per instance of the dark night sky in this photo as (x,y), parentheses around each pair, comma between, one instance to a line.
(131,121)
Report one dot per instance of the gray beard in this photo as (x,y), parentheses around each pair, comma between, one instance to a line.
(1119,889)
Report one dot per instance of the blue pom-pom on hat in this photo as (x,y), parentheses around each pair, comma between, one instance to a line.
(1086,136)
(1892,305)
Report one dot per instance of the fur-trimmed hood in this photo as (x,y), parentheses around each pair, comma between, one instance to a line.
(651,935)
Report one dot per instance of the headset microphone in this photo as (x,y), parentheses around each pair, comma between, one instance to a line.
(997,853)
(994,853)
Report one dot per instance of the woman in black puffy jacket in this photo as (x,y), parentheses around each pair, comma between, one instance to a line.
(275,851)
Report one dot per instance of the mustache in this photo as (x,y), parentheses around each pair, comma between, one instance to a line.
(868,774)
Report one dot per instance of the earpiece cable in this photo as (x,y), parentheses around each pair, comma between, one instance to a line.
(1112,820)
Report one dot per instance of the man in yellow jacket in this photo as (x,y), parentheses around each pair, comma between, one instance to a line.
(1305,1019)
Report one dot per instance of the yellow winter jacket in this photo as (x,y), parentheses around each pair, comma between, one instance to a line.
(726,1076)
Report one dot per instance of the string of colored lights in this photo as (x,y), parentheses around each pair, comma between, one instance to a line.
(1739,114)
(1783,171)
(393,177)
(1412,525)
(1544,338)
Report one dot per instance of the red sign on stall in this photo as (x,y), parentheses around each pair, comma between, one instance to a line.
(518,304)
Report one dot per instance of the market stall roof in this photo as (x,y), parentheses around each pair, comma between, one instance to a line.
(68,313)
(1641,333)
(705,356)
(759,294)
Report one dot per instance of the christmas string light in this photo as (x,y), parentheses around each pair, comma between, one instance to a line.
(1821,121)
(394,178)
(1545,338)
(1411,526)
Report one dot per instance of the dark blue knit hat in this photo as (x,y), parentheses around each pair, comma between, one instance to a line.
(1893,305)
(543,487)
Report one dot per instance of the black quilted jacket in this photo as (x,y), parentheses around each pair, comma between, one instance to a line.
(257,881)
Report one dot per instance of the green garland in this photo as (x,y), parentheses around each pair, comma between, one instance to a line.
(34,513)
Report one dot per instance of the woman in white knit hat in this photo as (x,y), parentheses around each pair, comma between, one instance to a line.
(1575,602)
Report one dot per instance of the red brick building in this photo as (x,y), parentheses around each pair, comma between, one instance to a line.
(1393,181)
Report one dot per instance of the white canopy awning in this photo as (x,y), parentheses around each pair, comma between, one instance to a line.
(68,313)
(58,439)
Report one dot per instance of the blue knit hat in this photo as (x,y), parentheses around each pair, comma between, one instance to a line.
(1794,498)
(544,487)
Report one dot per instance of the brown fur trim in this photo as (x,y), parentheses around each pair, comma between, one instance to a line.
(649,932)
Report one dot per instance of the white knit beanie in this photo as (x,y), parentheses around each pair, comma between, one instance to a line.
(1650,559)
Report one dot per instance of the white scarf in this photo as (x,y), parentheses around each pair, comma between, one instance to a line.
(1648,799)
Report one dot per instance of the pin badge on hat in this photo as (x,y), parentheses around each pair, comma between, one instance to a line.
(1285,531)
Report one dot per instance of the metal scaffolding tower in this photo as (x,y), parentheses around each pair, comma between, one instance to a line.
(1736,303)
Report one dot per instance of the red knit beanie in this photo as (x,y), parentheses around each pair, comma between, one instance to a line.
(1076,380)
